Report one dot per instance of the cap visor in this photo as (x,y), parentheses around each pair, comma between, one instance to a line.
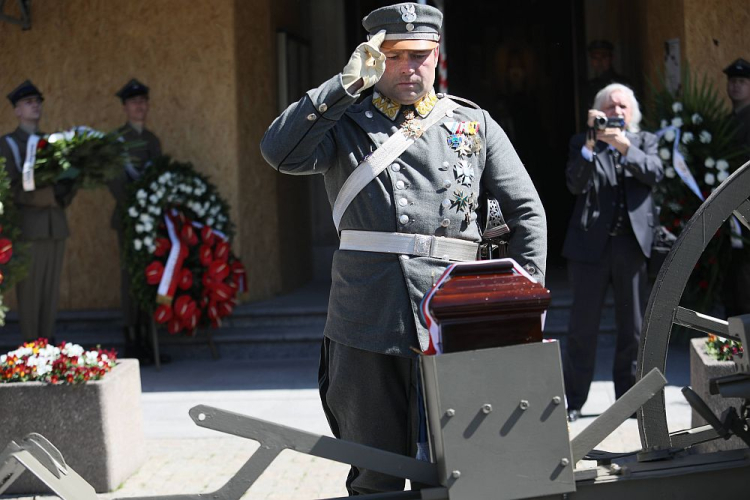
(411,44)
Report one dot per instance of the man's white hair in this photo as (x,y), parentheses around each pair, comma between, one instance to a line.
(603,95)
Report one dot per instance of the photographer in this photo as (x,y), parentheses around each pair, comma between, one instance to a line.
(611,169)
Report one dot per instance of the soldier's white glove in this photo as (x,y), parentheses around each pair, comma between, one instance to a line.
(367,63)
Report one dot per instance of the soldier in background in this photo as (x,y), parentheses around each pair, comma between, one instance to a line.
(737,285)
(368,374)
(44,226)
(135,103)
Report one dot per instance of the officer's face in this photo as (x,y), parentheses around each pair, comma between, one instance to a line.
(409,74)
(618,105)
(738,89)
(29,109)
(136,109)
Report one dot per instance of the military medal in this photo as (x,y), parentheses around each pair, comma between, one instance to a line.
(464,172)
(412,127)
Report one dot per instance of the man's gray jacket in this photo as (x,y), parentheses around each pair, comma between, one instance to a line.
(375,297)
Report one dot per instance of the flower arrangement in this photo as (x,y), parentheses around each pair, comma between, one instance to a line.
(180,260)
(82,155)
(723,349)
(696,144)
(63,364)
(13,260)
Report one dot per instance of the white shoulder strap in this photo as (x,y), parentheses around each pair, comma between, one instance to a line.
(16,153)
(381,158)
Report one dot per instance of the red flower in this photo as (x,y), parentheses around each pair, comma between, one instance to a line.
(163,313)
(225,308)
(163,245)
(221,252)
(218,270)
(205,255)
(184,307)
(41,144)
(186,279)
(208,236)
(174,326)
(154,272)
(187,234)
(6,250)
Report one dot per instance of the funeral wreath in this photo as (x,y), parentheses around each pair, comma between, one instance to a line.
(179,253)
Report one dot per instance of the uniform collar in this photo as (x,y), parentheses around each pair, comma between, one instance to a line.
(391,108)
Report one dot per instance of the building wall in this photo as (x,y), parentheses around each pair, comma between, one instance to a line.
(210,102)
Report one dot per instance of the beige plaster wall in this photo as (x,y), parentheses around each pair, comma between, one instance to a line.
(79,52)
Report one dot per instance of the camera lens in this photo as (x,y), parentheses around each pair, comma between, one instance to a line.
(600,122)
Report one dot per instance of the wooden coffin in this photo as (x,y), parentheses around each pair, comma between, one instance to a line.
(486,304)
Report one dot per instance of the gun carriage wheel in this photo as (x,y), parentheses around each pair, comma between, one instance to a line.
(663,309)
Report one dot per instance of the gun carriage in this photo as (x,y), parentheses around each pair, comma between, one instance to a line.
(507,438)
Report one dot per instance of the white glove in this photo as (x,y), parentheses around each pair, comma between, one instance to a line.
(367,63)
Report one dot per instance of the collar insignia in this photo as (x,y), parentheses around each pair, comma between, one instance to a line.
(391,108)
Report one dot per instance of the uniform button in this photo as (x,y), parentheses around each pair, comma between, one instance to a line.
(446,164)
(403,202)
(400,185)
(446,203)
(447,183)
(368,114)
(449,113)
(531,269)
(445,222)
(404,219)
(312,117)
(395,167)
(440,95)
(473,216)
(323,108)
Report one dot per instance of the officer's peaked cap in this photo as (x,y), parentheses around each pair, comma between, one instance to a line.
(132,89)
(740,67)
(26,89)
(405,21)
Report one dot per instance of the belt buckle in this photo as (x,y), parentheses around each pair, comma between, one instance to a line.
(422,245)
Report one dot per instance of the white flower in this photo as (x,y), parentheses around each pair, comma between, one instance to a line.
(154,210)
(687,137)
(669,172)
(3,357)
(677,106)
(722,165)
(705,136)
(133,212)
(696,119)
(210,221)
(141,194)
(54,138)
(2,208)
(69,135)
(669,135)
(137,244)
(722,175)
(139,228)
(709,163)
(677,122)
(710,179)
(663,124)
(148,241)
(154,199)
(43,369)
(664,153)
(72,350)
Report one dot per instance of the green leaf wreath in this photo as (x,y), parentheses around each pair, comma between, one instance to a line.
(172,196)
(13,257)
(83,156)
(695,125)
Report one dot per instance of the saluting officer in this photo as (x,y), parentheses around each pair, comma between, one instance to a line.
(43,223)
(401,227)
(145,149)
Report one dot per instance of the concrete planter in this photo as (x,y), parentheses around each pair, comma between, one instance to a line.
(702,369)
(97,426)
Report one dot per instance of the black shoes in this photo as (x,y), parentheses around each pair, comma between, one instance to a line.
(573,415)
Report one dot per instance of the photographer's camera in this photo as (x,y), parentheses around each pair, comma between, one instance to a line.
(602,122)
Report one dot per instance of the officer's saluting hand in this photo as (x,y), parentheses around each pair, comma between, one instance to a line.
(365,66)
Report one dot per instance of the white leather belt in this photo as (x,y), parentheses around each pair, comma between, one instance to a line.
(409,244)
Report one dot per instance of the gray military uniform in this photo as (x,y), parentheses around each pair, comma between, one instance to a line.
(141,157)
(375,297)
(44,227)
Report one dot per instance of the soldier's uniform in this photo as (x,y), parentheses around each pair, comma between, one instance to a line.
(146,148)
(737,284)
(43,226)
(368,365)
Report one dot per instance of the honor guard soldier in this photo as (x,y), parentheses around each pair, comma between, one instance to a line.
(43,223)
(737,285)
(135,102)
(402,168)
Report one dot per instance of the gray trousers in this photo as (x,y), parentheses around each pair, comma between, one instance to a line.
(371,399)
(39,293)
(624,266)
